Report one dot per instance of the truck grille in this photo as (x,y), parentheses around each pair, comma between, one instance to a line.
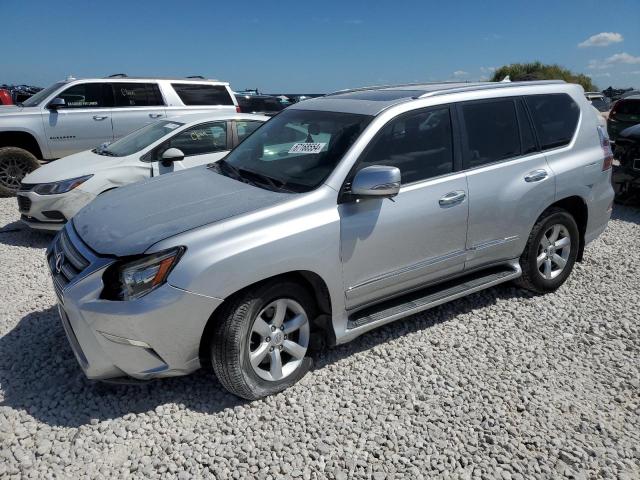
(65,262)
(24,203)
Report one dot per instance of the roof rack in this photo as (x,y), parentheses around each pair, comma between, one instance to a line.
(196,76)
(118,75)
(488,86)
(379,87)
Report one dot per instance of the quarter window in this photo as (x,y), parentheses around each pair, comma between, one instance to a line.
(201,94)
(245,128)
(137,95)
(201,139)
(491,132)
(555,118)
(419,143)
(85,95)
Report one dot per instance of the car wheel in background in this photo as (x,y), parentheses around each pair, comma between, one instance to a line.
(550,253)
(261,339)
(15,163)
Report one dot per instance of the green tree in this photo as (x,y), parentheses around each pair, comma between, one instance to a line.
(541,71)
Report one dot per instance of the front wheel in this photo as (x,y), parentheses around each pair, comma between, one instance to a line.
(261,339)
(15,164)
(550,253)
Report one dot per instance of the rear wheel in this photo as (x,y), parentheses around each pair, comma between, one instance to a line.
(550,253)
(261,339)
(15,164)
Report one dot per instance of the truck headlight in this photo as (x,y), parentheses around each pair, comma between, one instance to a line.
(135,279)
(63,186)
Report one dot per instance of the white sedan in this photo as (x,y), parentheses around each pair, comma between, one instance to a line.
(55,192)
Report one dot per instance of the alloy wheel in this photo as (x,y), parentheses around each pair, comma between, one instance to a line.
(12,171)
(279,339)
(553,251)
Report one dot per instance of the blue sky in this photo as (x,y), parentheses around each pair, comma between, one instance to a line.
(307,46)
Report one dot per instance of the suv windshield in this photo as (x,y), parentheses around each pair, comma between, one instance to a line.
(36,99)
(296,150)
(136,141)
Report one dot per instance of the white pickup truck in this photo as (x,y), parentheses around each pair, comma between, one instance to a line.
(75,115)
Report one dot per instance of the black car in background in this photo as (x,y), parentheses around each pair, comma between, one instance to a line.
(626,169)
(260,104)
(624,114)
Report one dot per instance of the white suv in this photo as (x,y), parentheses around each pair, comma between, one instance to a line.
(76,115)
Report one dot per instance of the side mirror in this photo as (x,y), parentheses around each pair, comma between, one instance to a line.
(172,155)
(56,103)
(376,181)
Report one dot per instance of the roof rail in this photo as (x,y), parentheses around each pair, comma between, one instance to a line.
(378,87)
(489,86)
(196,76)
(118,75)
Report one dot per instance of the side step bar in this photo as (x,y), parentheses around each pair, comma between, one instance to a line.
(430,297)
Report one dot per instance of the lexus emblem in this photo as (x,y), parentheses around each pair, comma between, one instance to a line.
(59,262)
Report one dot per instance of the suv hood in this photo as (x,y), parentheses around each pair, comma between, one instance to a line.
(129,220)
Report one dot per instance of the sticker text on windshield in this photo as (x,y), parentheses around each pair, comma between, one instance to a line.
(307,147)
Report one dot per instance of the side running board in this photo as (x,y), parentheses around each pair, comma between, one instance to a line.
(424,299)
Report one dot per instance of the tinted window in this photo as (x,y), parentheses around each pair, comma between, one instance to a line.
(195,94)
(86,95)
(555,118)
(137,95)
(245,128)
(419,144)
(527,138)
(259,104)
(491,132)
(201,139)
(628,107)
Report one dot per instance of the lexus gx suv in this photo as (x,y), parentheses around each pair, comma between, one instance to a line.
(341,214)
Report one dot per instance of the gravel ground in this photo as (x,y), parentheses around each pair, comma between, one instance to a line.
(500,384)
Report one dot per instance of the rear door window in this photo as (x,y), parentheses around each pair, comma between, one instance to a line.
(492,132)
(245,128)
(137,95)
(201,94)
(555,118)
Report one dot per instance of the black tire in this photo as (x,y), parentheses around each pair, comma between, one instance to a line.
(15,163)
(232,336)
(532,278)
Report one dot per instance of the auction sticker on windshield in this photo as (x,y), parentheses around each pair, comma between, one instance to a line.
(307,147)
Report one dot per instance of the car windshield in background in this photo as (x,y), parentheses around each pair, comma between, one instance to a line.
(295,151)
(142,138)
(36,99)
(601,104)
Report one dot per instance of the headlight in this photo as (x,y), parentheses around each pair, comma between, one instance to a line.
(137,278)
(62,186)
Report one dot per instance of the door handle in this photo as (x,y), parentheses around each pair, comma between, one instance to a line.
(536,176)
(100,117)
(155,115)
(452,198)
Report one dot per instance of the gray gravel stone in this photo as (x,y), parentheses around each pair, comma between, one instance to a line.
(501,384)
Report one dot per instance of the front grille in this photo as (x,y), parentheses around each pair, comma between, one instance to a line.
(24,203)
(65,262)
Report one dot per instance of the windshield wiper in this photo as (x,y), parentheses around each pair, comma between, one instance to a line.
(274,183)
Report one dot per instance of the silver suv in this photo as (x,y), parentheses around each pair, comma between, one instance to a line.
(77,115)
(340,214)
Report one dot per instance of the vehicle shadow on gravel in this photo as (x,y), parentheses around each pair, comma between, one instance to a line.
(39,374)
(19,235)
(626,213)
